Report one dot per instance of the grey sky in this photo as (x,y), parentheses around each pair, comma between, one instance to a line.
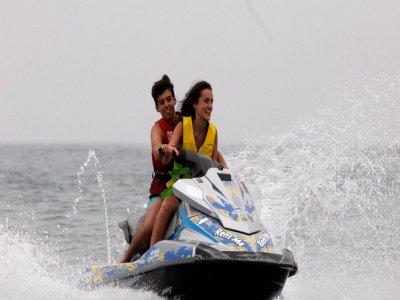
(81,71)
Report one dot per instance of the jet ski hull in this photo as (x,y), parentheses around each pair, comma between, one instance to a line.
(217,278)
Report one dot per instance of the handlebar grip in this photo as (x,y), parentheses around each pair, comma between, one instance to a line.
(182,156)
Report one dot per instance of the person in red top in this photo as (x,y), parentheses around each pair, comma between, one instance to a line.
(161,132)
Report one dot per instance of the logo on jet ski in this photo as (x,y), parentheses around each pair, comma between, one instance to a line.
(264,240)
(239,215)
(229,237)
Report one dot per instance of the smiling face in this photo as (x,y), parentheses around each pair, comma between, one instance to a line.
(204,106)
(166,105)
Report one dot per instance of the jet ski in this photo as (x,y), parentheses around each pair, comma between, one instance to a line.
(214,248)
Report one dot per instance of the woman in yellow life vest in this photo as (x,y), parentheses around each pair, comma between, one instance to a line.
(195,132)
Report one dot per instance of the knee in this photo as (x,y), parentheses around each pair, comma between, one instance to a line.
(170,204)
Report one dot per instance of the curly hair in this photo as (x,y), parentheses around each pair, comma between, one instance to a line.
(192,97)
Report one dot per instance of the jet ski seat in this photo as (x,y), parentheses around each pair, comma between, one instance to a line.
(130,224)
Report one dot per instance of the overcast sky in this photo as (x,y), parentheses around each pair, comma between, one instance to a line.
(81,71)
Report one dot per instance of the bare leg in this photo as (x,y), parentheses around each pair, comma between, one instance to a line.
(169,206)
(142,235)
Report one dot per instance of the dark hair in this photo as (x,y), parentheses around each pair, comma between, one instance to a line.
(192,97)
(160,87)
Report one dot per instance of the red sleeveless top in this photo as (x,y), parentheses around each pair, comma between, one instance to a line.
(160,174)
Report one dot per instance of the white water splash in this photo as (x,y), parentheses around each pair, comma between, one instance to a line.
(24,274)
(331,190)
(93,162)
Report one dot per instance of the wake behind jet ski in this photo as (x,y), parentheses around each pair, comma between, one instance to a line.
(215,246)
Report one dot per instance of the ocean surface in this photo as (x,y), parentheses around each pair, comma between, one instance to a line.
(330,192)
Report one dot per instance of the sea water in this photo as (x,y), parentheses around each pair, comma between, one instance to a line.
(330,192)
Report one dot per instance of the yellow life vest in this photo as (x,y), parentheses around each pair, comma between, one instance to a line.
(189,143)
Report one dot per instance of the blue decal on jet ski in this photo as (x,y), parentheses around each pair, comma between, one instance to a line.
(187,223)
(181,253)
(223,204)
(244,214)
(250,208)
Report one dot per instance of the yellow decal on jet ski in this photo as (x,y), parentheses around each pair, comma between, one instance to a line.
(231,189)
(96,275)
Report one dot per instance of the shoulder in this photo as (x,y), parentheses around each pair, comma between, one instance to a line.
(177,118)
(178,131)
(212,127)
(159,121)
(156,128)
(179,125)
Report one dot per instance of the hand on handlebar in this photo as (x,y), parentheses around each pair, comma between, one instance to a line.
(170,151)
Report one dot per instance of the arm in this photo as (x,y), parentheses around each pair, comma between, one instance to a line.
(221,160)
(156,144)
(156,141)
(176,141)
(218,155)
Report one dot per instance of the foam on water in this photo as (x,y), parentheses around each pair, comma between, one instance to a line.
(30,271)
(331,189)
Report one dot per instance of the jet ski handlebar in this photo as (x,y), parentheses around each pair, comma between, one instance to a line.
(197,162)
(181,158)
